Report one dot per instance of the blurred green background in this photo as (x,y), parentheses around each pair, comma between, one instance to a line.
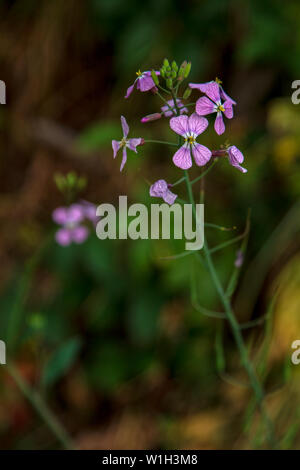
(106,332)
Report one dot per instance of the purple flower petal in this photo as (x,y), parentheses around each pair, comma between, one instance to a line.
(182,158)
(205,106)
(169,197)
(75,214)
(197,124)
(63,236)
(201,154)
(226,97)
(115,146)
(124,158)
(228,109)
(133,143)
(179,124)
(219,124)
(79,234)
(145,82)
(125,126)
(60,215)
(235,158)
(212,90)
(160,189)
(129,90)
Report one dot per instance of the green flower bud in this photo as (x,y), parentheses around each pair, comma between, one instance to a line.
(187,69)
(154,77)
(169,83)
(187,93)
(166,63)
(162,72)
(182,70)
(174,66)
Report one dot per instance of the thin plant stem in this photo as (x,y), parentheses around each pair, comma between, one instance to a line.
(235,328)
(42,409)
(160,142)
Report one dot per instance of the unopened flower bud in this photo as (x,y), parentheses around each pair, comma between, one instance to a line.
(181,70)
(187,93)
(166,63)
(151,117)
(154,77)
(187,69)
(169,83)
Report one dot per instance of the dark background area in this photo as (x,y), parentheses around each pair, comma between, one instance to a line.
(105,331)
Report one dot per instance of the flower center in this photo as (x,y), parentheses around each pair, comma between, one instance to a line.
(123,142)
(190,140)
(221,108)
(139,73)
(218,81)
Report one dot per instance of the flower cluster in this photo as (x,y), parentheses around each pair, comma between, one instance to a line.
(188,127)
(72,220)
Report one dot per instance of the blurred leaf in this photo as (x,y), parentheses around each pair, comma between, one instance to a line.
(60,362)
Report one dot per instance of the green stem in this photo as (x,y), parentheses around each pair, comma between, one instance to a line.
(160,142)
(42,409)
(254,381)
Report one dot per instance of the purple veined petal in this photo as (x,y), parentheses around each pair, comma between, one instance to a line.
(133,143)
(79,234)
(145,82)
(235,155)
(195,85)
(130,90)
(116,146)
(240,168)
(169,197)
(211,89)
(158,188)
(228,109)
(124,158)
(219,124)
(201,154)
(197,124)
(179,124)
(182,158)
(63,236)
(235,158)
(60,215)
(226,97)
(75,214)
(125,126)
(183,110)
(205,106)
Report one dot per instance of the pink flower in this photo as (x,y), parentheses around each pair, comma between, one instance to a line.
(190,128)
(151,117)
(235,158)
(125,143)
(170,112)
(212,103)
(143,82)
(70,218)
(89,211)
(161,189)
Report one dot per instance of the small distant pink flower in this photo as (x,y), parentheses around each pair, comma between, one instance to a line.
(143,82)
(212,103)
(89,210)
(161,189)
(125,143)
(70,219)
(190,128)
(172,112)
(235,158)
